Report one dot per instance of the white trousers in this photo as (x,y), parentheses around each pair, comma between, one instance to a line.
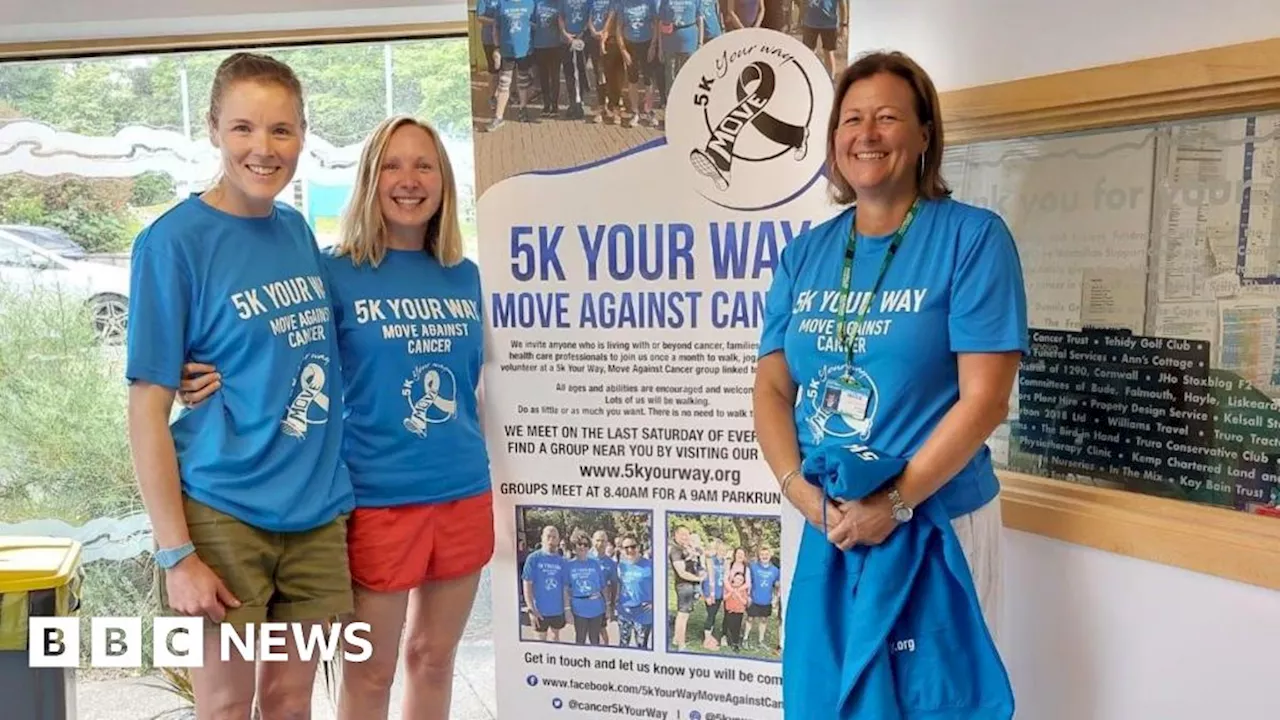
(981,534)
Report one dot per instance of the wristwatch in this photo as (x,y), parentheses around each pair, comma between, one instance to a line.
(167,559)
(901,511)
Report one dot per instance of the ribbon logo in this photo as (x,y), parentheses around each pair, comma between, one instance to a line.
(742,114)
(436,404)
(310,392)
(757,83)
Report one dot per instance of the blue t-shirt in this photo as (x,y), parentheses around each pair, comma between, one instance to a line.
(635,596)
(586,587)
(548,574)
(599,13)
(713,583)
(608,567)
(250,297)
(713,27)
(411,333)
(515,26)
(764,576)
(955,286)
(821,14)
(546,24)
(488,31)
(679,25)
(575,15)
(636,18)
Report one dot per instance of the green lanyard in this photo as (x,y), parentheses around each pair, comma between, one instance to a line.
(846,278)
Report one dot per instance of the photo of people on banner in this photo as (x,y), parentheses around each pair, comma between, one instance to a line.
(589,79)
(586,576)
(725,585)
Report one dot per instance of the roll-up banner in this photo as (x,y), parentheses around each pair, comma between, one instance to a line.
(640,165)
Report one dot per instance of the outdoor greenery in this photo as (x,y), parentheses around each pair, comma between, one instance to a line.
(346,95)
(93,211)
(64,451)
(568,520)
(344,87)
(749,532)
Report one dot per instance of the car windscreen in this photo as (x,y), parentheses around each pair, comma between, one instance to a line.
(54,241)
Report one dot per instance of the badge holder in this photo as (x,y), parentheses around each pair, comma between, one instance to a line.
(847,396)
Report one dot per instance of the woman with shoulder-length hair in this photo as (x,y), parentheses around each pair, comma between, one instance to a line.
(923,325)
(407,307)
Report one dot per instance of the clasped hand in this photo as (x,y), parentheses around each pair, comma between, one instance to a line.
(859,522)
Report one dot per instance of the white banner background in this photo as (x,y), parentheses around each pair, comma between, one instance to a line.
(576,390)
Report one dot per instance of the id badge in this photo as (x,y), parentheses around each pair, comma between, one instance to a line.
(847,397)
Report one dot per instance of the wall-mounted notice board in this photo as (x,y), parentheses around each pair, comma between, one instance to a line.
(1145,199)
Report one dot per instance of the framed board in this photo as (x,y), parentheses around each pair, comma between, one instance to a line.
(1145,199)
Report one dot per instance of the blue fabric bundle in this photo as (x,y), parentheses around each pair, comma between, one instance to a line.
(887,632)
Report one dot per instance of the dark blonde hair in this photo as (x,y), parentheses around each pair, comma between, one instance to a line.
(928,113)
(257,68)
(363,227)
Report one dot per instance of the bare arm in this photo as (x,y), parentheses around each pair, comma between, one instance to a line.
(773,403)
(193,588)
(986,382)
(155,462)
(528,599)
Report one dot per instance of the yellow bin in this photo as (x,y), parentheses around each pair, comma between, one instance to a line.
(39,577)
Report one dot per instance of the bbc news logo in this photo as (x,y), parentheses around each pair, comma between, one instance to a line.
(116,642)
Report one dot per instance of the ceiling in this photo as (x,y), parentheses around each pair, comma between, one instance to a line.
(31,21)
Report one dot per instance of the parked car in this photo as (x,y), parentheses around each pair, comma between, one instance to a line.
(46,258)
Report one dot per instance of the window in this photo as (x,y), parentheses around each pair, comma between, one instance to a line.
(92,150)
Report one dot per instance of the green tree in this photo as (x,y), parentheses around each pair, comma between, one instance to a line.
(432,81)
(588,520)
(345,91)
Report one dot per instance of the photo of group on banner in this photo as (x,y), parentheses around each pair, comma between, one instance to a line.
(586,576)
(724,568)
(635,49)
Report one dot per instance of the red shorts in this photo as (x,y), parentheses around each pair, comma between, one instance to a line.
(399,548)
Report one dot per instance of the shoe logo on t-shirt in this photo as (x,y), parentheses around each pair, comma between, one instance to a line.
(842,403)
(745,109)
(310,403)
(432,396)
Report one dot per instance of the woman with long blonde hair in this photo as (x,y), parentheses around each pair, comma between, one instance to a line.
(408,311)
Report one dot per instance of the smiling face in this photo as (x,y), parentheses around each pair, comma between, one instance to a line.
(879,141)
(410,183)
(550,539)
(259,132)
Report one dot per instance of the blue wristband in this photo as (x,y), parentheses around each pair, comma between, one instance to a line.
(166,559)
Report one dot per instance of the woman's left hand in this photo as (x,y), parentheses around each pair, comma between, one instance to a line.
(865,522)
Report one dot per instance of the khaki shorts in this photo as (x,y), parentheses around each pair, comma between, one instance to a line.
(277,577)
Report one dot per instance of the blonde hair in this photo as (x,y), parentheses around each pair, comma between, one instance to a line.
(363,229)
